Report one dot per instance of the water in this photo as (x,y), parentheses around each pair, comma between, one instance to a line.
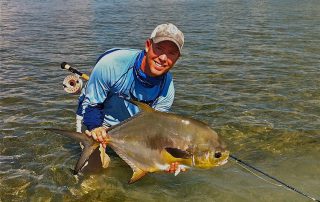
(249,68)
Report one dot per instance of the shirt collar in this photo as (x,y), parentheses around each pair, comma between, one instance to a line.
(146,80)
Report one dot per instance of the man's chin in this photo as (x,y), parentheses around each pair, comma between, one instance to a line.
(155,72)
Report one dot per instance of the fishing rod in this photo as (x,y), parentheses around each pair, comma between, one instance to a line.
(273,178)
(66,66)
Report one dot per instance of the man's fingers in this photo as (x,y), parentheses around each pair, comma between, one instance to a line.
(98,134)
(100,139)
(174,167)
(88,133)
(104,135)
(94,136)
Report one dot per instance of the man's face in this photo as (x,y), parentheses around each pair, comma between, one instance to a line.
(160,57)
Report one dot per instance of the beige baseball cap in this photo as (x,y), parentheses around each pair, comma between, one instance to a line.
(168,32)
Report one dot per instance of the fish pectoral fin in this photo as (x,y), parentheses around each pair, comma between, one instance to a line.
(137,174)
(178,153)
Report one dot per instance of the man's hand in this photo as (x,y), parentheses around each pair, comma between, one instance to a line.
(99,134)
(176,168)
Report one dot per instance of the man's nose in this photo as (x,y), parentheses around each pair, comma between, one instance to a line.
(163,57)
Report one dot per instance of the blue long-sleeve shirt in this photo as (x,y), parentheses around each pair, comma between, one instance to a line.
(116,74)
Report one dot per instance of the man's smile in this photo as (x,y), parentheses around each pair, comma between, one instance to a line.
(158,66)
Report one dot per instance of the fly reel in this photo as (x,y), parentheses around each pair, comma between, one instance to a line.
(72,84)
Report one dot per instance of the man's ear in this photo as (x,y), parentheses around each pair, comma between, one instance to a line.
(148,44)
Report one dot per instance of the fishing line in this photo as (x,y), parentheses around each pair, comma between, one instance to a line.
(239,161)
(258,176)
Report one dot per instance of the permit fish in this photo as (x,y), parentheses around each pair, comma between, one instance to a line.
(151,140)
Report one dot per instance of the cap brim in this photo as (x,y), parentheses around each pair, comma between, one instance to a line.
(159,39)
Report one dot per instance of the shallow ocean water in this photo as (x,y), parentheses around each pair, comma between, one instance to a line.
(250,69)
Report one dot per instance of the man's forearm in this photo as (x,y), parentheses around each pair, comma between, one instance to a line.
(93,116)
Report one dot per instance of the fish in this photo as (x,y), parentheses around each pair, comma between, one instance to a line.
(151,140)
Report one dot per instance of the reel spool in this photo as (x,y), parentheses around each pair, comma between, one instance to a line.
(72,84)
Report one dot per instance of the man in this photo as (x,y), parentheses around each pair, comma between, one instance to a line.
(138,74)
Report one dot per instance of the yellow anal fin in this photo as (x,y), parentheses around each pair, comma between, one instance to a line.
(137,174)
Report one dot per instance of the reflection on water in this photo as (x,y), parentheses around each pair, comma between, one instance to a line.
(249,68)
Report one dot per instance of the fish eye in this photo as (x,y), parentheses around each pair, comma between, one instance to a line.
(217,154)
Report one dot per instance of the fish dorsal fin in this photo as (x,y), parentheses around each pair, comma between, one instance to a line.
(137,174)
(178,153)
(142,106)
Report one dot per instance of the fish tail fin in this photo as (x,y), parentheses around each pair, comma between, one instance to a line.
(89,146)
(81,137)
(86,153)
